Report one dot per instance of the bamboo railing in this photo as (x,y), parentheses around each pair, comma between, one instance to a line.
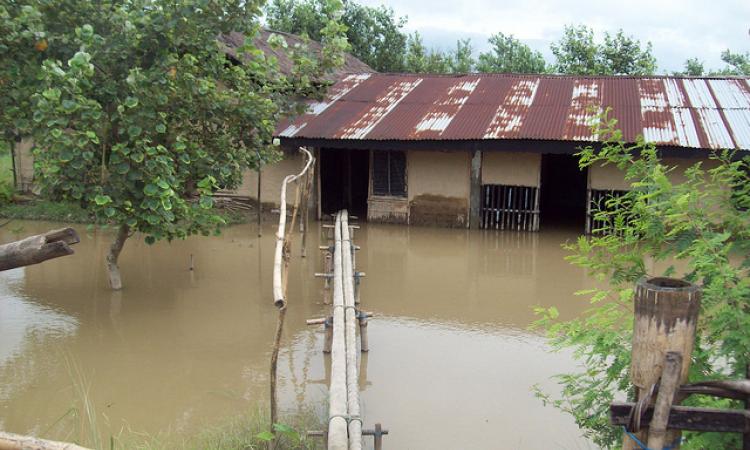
(344,419)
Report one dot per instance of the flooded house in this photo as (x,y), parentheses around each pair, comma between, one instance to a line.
(495,151)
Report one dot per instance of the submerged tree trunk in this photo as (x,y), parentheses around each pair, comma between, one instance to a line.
(115,282)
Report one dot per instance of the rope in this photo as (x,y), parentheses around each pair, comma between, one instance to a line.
(346,417)
(643,446)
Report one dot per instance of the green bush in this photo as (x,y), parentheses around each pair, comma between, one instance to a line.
(699,230)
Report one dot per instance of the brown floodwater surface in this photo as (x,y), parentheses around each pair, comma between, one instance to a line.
(451,362)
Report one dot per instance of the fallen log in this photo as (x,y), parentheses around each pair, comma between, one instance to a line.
(39,248)
(10,441)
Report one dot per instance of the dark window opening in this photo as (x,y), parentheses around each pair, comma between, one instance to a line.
(563,192)
(344,178)
(389,173)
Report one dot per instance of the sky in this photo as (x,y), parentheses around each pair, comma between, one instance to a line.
(678,30)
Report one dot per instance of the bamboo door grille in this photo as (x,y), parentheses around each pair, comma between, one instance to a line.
(598,202)
(514,208)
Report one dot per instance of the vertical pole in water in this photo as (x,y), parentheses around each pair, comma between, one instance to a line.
(589,216)
(260,204)
(475,190)
(666,313)
(746,435)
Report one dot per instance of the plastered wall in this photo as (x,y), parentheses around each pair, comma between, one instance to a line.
(272,176)
(513,169)
(610,177)
(438,186)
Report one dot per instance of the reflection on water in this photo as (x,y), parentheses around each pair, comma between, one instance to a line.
(450,362)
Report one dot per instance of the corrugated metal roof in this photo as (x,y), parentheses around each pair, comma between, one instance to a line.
(709,113)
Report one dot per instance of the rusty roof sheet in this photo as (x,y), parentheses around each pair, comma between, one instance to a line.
(710,113)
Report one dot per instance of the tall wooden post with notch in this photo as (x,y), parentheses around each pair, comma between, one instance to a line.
(666,314)
(475,190)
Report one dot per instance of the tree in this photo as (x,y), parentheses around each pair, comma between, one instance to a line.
(462,60)
(509,55)
(699,230)
(374,33)
(738,63)
(140,117)
(693,68)
(577,53)
(622,55)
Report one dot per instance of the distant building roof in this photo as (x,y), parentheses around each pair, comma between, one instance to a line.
(706,113)
(234,40)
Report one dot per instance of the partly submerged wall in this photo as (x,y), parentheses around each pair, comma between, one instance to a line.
(511,169)
(438,188)
(609,177)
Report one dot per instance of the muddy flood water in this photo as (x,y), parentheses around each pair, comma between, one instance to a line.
(451,362)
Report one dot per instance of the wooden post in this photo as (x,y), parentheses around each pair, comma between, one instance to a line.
(475,190)
(746,434)
(667,387)
(364,343)
(38,248)
(378,436)
(260,204)
(666,313)
(329,335)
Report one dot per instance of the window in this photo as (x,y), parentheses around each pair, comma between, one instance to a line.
(389,173)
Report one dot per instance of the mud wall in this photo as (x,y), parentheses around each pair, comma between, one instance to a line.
(438,186)
(513,169)
(24,162)
(610,177)
(272,176)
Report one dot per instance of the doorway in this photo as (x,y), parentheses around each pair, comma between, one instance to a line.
(563,195)
(344,181)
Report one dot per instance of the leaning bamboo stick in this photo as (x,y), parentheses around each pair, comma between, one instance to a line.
(280,270)
(352,352)
(337,410)
(278,292)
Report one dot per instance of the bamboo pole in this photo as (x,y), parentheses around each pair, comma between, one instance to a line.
(280,270)
(352,351)
(10,441)
(337,412)
(666,313)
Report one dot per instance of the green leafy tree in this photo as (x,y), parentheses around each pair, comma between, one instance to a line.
(461,60)
(23,47)
(509,55)
(737,63)
(693,68)
(374,33)
(578,53)
(698,229)
(419,59)
(140,117)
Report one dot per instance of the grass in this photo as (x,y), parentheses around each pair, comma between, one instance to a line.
(243,432)
(40,209)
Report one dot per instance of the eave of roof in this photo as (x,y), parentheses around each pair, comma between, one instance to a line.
(686,112)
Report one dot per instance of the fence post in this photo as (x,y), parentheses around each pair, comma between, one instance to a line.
(666,313)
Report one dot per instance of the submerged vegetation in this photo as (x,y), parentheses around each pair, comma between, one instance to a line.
(699,230)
